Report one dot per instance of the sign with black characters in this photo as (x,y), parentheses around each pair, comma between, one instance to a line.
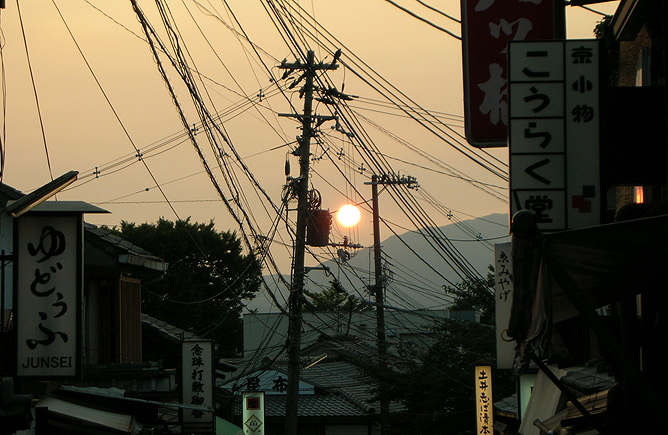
(554,132)
(197,383)
(48,282)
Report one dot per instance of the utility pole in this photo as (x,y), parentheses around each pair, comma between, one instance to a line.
(379,287)
(297,288)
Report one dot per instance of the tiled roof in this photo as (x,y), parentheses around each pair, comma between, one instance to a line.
(341,389)
(343,377)
(166,330)
(321,404)
(317,405)
(507,406)
(586,380)
(127,252)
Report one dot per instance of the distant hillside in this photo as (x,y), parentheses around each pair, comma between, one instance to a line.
(417,273)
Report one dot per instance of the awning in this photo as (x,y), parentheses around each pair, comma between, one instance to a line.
(67,207)
(600,265)
(572,273)
(89,417)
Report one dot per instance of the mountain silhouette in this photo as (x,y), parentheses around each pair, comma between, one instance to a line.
(416,273)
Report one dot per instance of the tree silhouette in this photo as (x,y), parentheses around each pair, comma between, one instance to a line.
(207,282)
(438,389)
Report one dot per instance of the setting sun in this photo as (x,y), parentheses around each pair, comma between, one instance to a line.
(348,215)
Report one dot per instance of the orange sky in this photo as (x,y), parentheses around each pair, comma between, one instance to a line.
(84,132)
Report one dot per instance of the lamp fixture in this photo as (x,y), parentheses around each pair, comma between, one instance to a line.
(41,194)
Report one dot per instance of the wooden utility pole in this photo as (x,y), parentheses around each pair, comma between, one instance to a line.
(297,289)
(379,287)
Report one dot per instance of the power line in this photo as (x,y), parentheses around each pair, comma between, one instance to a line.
(34,88)
(439,11)
(414,15)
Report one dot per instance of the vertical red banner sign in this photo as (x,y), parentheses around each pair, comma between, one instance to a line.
(487,27)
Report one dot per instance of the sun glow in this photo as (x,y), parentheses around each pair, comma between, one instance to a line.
(348,215)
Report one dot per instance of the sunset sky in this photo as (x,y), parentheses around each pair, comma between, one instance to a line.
(105,111)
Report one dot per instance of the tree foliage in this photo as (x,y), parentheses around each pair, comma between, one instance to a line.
(475,295)
(207,280)
(438,390)
(334,298)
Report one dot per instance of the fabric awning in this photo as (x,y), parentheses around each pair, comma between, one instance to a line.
(599,265)
(561,275)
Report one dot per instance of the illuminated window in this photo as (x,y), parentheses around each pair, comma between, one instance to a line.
(638,194)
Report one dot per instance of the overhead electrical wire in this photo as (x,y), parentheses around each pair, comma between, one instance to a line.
(458,260)
(34,88)
(375,160)
(3,87)
(439,11)
(150,34)
(118,118)
(397,196)
(282,134)
(424,20)
(372,106)
(113,110)
(369,76)
(209,127)
(369,152)
(370,159)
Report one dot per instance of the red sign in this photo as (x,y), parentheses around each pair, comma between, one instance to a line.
(487,27)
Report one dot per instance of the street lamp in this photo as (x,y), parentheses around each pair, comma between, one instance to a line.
(31,200)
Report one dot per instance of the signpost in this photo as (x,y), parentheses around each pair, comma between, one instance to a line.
(554,132)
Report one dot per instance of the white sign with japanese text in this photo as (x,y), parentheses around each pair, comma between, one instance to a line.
(48,282)
(583,133)
(503,290)
(253,412)
(554,132)
(197,381)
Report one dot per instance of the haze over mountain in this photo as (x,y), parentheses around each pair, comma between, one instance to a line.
(417,274)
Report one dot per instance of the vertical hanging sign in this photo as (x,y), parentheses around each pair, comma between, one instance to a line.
(197,385)
(483,398)
(583,133)
(253,412)
(503,290)
(48,281)
(536,134)
(554,132)
(487,28)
